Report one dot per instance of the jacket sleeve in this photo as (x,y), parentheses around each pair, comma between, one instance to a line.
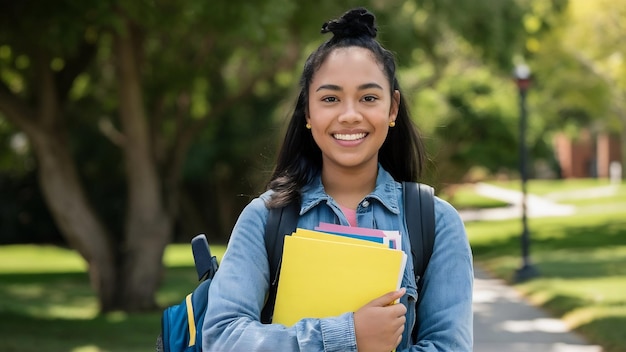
(238,292)
(445,313)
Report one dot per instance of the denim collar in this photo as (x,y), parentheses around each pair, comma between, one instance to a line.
(385,192)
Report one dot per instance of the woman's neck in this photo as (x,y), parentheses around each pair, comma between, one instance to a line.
(349,186)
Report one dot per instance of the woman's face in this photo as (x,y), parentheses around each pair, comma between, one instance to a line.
(350,108)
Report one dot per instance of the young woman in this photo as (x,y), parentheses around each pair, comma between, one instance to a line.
(349,144)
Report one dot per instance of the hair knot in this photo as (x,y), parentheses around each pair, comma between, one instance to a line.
(354,23)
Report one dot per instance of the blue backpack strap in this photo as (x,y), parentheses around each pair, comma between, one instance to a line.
(280,222)
(419,199)
(206,264)
(181,324)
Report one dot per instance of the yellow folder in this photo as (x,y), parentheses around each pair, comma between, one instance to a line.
(327,278)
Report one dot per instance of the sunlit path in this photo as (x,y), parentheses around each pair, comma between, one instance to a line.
(504,321)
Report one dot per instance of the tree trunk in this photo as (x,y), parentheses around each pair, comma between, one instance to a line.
(60,183)
(75,216)
(148,227)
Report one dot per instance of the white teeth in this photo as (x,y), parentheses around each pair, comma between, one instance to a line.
(350,137)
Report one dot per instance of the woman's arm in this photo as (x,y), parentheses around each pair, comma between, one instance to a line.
(237,295)
(445,313)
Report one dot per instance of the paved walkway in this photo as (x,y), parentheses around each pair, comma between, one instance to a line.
(503,320)
(535,206)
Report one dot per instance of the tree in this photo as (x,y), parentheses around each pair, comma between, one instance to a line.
(465,97)
(579,70)
(36,109)
(596,39)
(137,97)
(40,90)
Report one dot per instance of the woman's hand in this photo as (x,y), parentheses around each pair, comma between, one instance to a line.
(379,324)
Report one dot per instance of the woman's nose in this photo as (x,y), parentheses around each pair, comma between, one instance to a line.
(350,113)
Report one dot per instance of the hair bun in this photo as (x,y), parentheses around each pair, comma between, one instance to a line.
(354,23)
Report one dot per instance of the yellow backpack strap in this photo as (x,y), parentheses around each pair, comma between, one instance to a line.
(191,322)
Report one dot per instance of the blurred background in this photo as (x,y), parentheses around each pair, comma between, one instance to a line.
(127,127)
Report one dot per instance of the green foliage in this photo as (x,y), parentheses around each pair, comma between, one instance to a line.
(579,68)
(477,125)
(466,102)
(218,78)
(493,27)
(557,72)
(15,158)
(23,214)
(56,26)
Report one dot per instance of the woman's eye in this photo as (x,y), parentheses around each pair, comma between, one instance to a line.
(329,99)
(370,98)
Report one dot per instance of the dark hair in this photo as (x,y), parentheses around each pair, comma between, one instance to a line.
(300,159)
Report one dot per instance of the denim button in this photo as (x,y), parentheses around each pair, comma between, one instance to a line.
(365,204)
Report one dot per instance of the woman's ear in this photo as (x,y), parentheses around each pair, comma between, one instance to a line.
(307,119)
(395,105)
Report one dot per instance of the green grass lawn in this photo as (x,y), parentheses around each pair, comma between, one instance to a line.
(46,302)
(546,187)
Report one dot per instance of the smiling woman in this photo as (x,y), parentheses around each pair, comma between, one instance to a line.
(351,105)
(349,145)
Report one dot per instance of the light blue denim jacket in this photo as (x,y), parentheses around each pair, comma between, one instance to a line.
(238,291)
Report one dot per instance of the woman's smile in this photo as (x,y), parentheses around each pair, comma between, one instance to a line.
(350,137)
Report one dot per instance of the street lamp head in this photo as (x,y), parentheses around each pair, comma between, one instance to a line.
(522,76)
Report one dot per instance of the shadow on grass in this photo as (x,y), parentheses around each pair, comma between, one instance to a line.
(41,294)
(603,330)
(59,312)
(562,304)
(112,333)
(566,249)
(47,295)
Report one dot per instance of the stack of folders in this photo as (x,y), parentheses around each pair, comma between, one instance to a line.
(336,269)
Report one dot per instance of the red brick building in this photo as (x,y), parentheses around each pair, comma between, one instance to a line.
(587,155)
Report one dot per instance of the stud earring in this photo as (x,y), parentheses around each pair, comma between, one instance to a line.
(392,123)
(308,126)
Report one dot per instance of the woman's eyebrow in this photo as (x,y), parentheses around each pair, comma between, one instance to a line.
(329,87)
(338,88)
(369,86)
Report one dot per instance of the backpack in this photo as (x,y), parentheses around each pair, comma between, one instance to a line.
(181,324)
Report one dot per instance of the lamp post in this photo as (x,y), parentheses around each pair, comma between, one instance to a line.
(522,79)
